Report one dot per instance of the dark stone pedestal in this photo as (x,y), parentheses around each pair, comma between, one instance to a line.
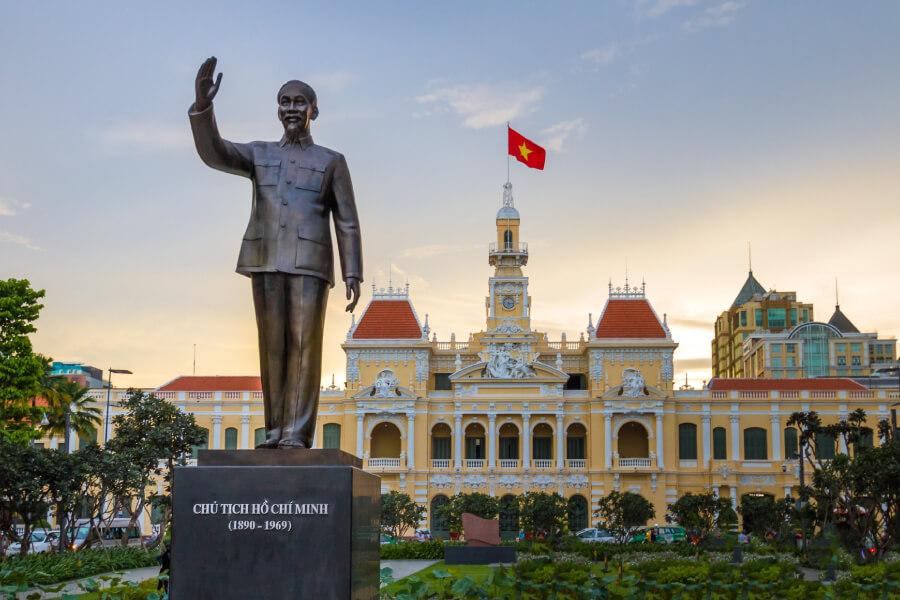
(275,524)
(479,555)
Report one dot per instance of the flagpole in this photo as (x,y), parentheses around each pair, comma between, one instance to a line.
(507,152)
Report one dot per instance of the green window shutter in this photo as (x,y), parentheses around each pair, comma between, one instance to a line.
(259,436)
(331,436)
(509,448)
(824,446)
(203,446)
(790,442)
(720,449)
(475,448)
(575,447)
(543,448)
(687,441)
(231,438)
(755,444)
(440,448)
(866,440)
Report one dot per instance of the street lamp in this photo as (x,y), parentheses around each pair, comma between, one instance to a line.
(108,392)
(800,507)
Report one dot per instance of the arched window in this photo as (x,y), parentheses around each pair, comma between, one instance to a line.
(720,448)
(578,513)
(475,442)
(509,442)
(201,446)
(507,240)
(756,447)
(385,441)
(259,436)
(439,528)
(687,441)
(231,438)
(633,442)
(790,443)
(509,517)
(542,448)
(575,438)
(331,436)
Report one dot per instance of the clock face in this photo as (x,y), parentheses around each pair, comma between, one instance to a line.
(508,302)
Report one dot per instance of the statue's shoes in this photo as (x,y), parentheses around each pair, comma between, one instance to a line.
(268,444)
(291,444)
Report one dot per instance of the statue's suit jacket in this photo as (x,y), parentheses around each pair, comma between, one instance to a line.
(297,188)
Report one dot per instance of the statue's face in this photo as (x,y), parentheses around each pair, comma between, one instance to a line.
(294,110)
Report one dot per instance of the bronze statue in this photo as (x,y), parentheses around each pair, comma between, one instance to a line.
(297,188)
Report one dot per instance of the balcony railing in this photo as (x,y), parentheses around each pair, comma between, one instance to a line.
(509,463)
(384,463)
(474,463)
(440,463)
(630,463)
(508,248)
(541,463)
(577,463)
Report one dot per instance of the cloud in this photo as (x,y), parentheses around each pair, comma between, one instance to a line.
(9,208)
(147,136)
(716,16)
(661,7)
(21,240)
(555,136)
(602,56)
(482,105)
(690,323)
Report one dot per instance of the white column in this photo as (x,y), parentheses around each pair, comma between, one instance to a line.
(660,443)
(842,442)
(526,441)
(560,438)
(492,442)
(217,432)
(787,491)
(706,441)
(607,441)
(457,442)
(734,503)
(360,433)
(735,437)
(54,442)
(245,432)
(411,440)
(776,437)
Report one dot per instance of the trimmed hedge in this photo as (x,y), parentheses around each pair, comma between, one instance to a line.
(433,550)
(46,569)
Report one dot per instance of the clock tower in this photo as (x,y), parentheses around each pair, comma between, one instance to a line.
(508,304)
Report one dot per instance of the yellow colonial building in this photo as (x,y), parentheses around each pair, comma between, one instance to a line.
(508,411)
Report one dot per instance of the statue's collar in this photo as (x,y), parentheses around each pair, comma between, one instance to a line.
(305,142)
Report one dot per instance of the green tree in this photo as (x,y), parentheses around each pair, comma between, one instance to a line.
(399,513)
(540,511)
(701,513)
(762,514)
(476,503)
(23,489)
(624,514)
(152,436)
(21,369)
(68,397)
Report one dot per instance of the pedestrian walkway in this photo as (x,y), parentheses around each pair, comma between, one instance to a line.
(405,568)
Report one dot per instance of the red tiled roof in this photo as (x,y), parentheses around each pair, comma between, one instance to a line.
(388,320)
(629,319)
(217,383)
(782,385)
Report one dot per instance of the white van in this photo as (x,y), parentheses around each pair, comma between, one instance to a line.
(110,534)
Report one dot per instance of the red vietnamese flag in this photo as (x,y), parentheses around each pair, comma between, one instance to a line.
(525,150)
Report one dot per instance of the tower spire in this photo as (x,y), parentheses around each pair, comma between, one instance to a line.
(837,302)
(750,256)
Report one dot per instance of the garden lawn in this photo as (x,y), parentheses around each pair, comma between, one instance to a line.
(476,572)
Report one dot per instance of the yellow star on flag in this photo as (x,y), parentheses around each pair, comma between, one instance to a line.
(525,151)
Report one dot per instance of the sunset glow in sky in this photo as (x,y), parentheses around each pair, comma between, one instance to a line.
(677,132)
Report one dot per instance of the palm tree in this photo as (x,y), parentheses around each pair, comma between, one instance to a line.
(68,397)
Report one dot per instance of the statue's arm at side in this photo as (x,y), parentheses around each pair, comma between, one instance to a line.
(216,152)
(346,221)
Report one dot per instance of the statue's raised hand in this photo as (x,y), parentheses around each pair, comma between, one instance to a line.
(204,86)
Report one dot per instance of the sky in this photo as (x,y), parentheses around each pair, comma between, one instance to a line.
(678,133)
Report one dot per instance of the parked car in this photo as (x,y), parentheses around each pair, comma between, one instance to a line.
(41,541)
(592,534)
(660,535)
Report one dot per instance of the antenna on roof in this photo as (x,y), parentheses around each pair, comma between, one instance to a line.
(390,276)
(837,302)
(750,256)
(626,272)
(195,359)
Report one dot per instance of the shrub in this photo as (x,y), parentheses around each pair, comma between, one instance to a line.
(51,568)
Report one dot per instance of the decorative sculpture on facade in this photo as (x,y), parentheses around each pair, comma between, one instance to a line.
(386,384)
(632,383)
(503,365)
